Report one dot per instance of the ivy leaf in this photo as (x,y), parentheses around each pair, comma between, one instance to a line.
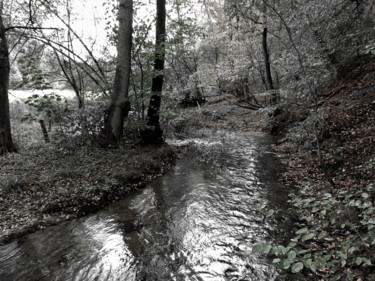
(297,267)
(257,248)
(308,263)
(270,213)
(283,250)
(285,264)
(292,255)
(337,277)
(358,261)
(308,236)
(302,231)
(365,195)
(367,261)
(266,249)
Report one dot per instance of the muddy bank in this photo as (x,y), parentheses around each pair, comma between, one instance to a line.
(48,185)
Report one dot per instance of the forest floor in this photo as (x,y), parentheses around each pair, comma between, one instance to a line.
(46,185)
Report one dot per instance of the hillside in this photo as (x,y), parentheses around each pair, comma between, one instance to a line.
(333,204)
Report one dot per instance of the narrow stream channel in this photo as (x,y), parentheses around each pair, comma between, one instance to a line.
(198,222)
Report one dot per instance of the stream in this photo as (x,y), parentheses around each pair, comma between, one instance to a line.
(197,222)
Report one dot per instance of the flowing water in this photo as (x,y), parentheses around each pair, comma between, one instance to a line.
(198,222)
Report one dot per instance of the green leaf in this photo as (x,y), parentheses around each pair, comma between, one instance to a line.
(337,277)
(350,277)
(328,195)
(297,267)
(267,249)
(295,239)
(308,263)
(283,250)
(353,249)
(285,264)
(327,257)
(270,213)
(302,231)
(274,251)
(342,255)
(365,195)
(308,236)
(367,261)
(321,263)
(358,261)
(257,248)
(292,255)
(276,260)
(313,267)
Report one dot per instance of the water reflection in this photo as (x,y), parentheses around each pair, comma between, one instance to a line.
(196,223)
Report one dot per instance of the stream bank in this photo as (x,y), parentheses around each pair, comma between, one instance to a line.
(47,185)
(335,204)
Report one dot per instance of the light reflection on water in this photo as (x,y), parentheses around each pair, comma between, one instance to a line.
(198,222)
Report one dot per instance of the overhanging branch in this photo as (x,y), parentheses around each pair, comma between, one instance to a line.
(29,27)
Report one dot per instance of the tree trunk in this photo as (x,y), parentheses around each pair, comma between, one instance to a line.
(269,83)
(6,143)
(153,134)
(120,105)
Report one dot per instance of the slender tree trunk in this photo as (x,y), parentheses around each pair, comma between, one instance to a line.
(267,62)
(120,105)
(6,143)
(153,134)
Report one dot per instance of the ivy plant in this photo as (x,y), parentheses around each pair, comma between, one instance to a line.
(334,238)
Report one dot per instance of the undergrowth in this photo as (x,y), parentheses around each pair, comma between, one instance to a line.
(335,235)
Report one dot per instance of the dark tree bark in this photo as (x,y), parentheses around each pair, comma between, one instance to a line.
(6,143)
(120,105)
(153,134)
(269,82)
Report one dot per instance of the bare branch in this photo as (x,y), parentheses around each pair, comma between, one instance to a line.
(29,27)
(78,37)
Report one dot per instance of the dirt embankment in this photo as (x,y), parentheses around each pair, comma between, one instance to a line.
(346,134)
(48,185)
(334,198)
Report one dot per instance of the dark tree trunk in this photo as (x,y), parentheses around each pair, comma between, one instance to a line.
(44,131)
(153,134)
(269,83)
(6,143)
(120,105)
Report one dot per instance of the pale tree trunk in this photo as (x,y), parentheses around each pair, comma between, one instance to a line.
(153,134)
(6,143)
(120,105)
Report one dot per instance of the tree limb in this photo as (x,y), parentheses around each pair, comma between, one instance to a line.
(30,27)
